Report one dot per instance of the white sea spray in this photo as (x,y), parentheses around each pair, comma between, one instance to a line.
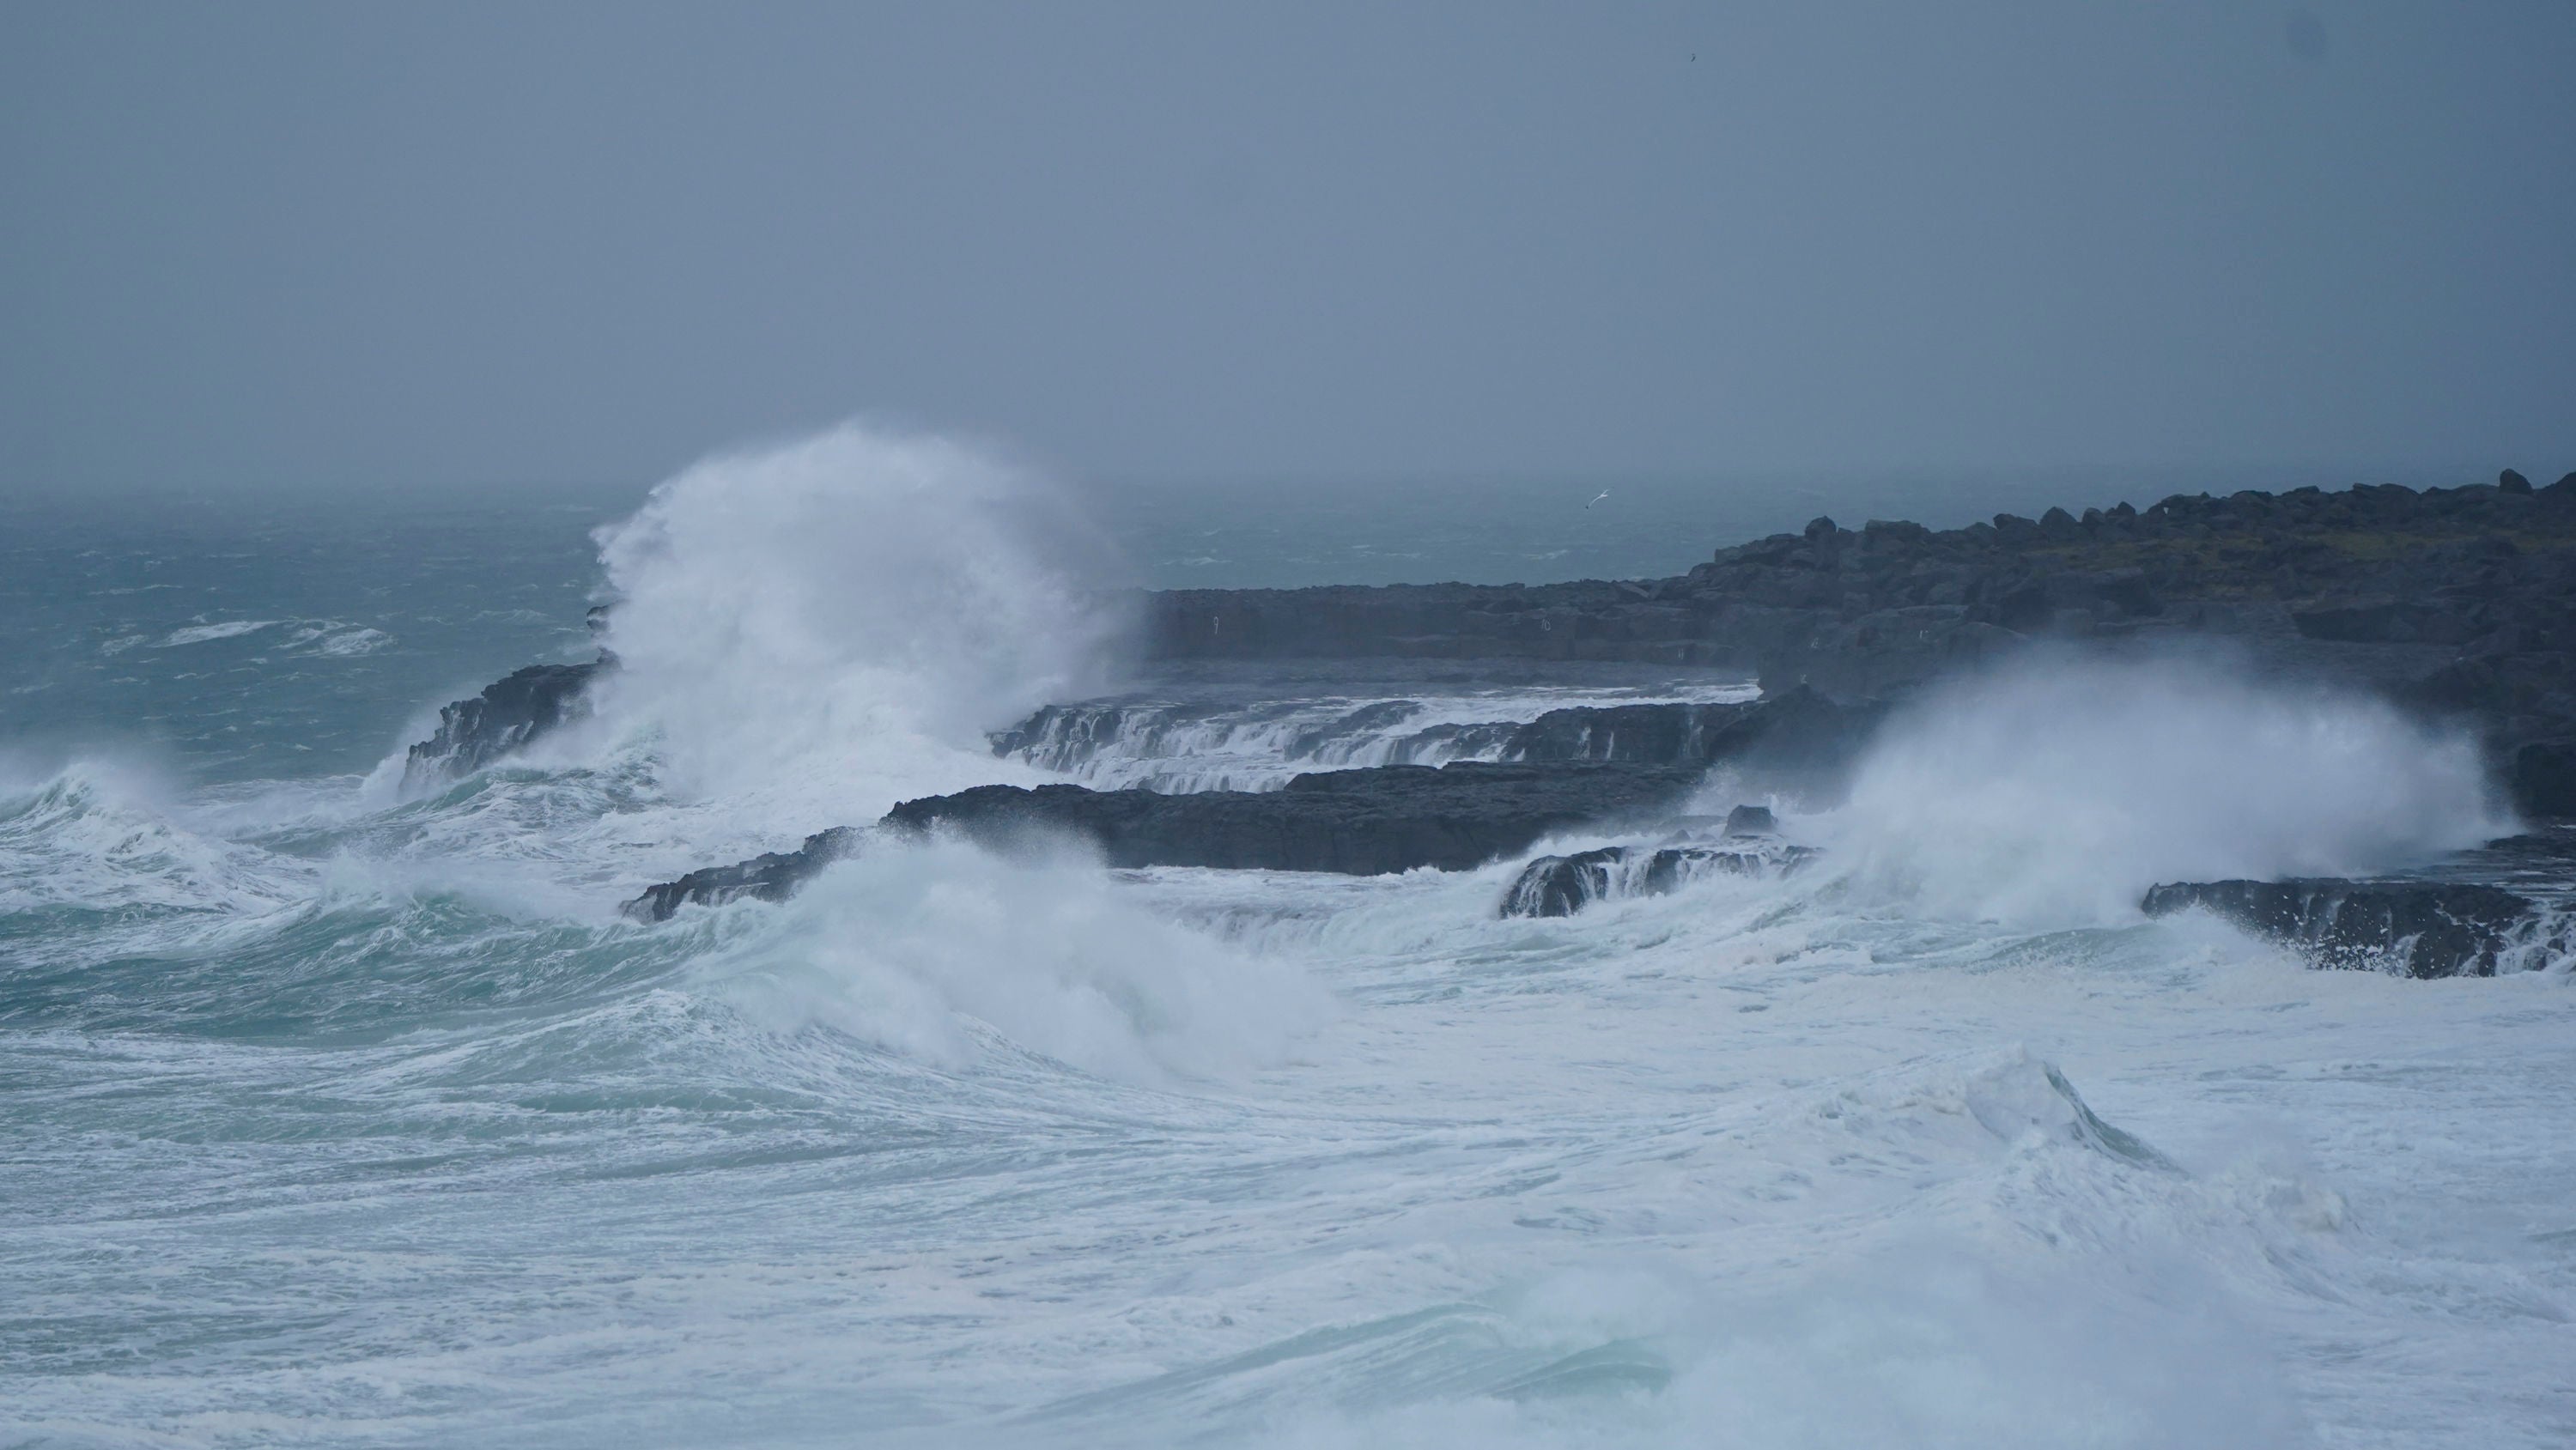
(2057,789)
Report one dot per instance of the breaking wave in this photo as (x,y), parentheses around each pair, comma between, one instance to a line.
(925,949)
(2057,790)
(859,599)
(105,837)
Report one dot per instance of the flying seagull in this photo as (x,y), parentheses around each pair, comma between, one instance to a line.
(1596,498)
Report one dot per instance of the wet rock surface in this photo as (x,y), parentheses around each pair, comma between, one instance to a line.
(1747,845)
(1564,885)
(508,714)
(771,876)
(2415,928)
(1352,822)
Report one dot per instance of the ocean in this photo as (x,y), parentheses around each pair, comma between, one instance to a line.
(340,1109)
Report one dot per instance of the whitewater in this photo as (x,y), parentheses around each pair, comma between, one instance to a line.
(336,1111)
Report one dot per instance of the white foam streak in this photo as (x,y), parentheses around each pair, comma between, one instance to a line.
(201,633)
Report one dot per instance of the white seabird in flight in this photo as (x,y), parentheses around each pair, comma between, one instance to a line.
(1596,498)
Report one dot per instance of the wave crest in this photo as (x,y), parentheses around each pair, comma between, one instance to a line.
(858,589)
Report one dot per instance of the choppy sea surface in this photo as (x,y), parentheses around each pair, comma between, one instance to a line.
(335,1112)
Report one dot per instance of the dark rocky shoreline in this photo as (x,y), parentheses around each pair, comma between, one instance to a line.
(2455,604)
(2458,603)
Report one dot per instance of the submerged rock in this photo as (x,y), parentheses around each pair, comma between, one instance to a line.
(2415,928)
(510,713)
(1353,822)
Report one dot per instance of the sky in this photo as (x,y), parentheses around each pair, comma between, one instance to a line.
(370,247)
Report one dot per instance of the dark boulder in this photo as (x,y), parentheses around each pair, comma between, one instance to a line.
(1563,885)
(2512,482)
(2414,928)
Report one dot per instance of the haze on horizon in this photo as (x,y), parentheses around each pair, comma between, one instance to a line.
(373,248)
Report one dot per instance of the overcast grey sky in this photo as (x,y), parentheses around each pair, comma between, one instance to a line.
(388,247)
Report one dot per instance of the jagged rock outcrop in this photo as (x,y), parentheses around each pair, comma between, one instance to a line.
(508,714)
(1354,822)
(2416,928)
(771,876)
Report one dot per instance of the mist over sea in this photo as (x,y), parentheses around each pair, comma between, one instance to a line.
(339,1109)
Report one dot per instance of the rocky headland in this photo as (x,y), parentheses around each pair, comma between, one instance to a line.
(2458,601)
(509,713)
